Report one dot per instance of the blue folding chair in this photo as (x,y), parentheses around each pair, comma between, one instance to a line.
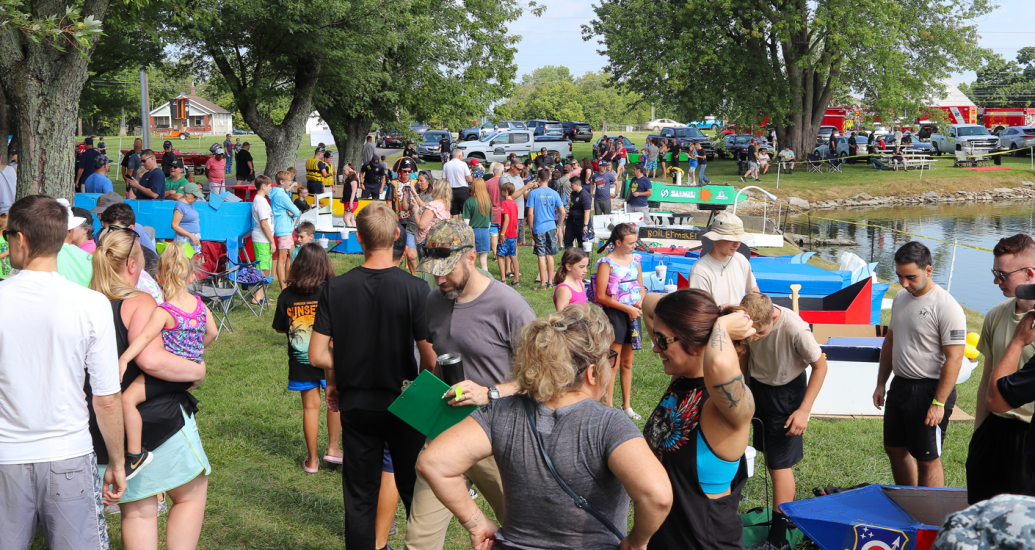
(243,274)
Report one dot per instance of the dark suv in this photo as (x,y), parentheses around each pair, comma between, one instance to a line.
(686,136)
(578,131)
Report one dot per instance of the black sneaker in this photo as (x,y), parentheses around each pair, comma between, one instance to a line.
(135,463)
(742,180)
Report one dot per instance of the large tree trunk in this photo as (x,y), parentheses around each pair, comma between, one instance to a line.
(349,135)
(43,85)
(5,129)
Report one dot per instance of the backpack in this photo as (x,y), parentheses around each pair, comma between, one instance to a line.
(212,148)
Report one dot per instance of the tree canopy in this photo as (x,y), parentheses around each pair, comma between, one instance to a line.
(1003,83)
(783,60)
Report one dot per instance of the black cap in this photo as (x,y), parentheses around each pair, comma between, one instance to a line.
(82,213)
(543,150)
(166,144)
(1024,292)
(100,161)
(177,164)
(319,150)
(88,141)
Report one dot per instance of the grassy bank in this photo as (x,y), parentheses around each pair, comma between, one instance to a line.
(251,426)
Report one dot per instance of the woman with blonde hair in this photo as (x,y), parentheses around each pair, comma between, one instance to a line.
(180,467)
(478,210)
(562,366)
(436,209)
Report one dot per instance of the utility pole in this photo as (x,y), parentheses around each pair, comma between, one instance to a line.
(145,122)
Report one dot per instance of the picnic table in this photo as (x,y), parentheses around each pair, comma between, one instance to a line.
(910,159)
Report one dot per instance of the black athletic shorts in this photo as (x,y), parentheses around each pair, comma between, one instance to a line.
(314,187)
(460,196)
(153,387)
(996,461)
(773,405)
(905,411)
(621,323)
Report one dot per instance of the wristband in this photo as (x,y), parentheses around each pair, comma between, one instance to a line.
(471,523)
(936,402)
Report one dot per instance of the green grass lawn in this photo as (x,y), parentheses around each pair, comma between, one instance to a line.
(252,429)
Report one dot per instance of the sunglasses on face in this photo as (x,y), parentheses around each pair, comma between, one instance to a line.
(1002,275)
(442,252)
(662,341)
(612,358)
(8,233)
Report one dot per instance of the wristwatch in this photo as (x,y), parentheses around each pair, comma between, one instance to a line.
(494,394)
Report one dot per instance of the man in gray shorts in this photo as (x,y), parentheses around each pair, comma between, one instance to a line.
(61,333)
(480,318)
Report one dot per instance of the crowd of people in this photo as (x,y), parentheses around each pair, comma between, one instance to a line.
(109,406)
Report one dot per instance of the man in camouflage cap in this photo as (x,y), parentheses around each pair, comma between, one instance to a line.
(480,318)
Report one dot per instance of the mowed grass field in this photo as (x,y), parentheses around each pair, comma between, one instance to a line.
(251,426)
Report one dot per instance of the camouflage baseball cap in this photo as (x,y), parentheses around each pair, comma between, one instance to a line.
(445,245)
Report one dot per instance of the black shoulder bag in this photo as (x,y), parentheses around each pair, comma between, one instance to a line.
(579,501)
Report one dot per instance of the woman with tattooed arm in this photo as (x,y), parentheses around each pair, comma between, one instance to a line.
(700,428)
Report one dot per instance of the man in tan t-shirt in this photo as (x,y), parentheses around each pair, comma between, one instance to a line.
(723,273)
(783,346)
(924,347)
(995,462)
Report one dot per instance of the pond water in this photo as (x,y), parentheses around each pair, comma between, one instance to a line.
(976,224)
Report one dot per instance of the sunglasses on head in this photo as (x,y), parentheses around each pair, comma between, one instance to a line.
(1002,275)
(442,252)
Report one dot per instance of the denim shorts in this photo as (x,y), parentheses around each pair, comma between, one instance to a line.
(411,241)
(294,385)
(481,240)
(545,244)
(506,248)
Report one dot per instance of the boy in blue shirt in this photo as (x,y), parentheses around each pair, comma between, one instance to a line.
(544,203)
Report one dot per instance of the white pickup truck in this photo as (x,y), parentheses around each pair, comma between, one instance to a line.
(966,135)
(497,146)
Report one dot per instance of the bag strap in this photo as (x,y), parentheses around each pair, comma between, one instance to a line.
(579,501)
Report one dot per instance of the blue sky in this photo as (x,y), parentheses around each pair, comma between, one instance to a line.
(556,37)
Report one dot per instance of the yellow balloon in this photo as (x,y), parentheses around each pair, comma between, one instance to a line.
(970,352)
(973,338)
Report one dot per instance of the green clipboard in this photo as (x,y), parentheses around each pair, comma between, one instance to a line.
(422,407)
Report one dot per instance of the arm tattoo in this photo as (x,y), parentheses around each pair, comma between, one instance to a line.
(718,337)
(732,391)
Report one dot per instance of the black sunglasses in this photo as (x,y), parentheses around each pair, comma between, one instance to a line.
(442,252)
(663,341)
(9,232)
(1002,275)
(612,358)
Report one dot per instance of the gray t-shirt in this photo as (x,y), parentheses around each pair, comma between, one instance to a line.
(368,152)
(652,153)
(486,330)
(411,226)
(920,327)
(518,184)
(579,439)
(133,163)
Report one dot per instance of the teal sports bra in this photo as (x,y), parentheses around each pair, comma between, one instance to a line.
(713,473)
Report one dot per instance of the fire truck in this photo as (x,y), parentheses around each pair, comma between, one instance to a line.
(997,119)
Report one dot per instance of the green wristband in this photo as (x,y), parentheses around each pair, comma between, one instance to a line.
(936,402)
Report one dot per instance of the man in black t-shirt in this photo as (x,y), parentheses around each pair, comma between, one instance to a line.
(752,162)
(372,313)
(245,166)
(580,205)
(374,179)
(85,164)
(168,158)
(444,149)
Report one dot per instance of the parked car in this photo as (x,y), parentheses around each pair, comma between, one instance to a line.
(389,138)
(842,147)
(968,135)
(1017,137)
(824,134)
(478,132)
(238,132)
(430,143)
(548,128)
(710,122)
(497,146)
(686,136)
(914,144)
(577,131)
(418,127)
(737,145)
(657,124)
(630,147)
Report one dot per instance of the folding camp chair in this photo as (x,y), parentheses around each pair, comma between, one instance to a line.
(247,286)
(834,164)
(814,163)
(217,291)
(877,164)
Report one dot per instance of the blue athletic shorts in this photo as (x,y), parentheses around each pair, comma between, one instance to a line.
(302,386)
(506,248)
(482,241)
(494,229)
(386,462)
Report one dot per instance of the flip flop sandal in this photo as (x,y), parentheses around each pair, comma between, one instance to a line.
(307,469)
(332,459)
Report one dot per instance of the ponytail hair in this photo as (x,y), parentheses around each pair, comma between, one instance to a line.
(174,270)
(618,233)
(572,255)
(690,314)
(556,349)
(113,252)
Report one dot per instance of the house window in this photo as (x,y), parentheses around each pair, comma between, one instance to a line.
(161,122)
(199,121)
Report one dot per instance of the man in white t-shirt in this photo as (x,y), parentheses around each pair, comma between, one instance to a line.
(723,272)
(54,333)
(996,459)
(458,174)
(778,354)
(262,228)
(924,348)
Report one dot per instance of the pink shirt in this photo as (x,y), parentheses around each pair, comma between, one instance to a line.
(577,296)
(88,246)
(215,170)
